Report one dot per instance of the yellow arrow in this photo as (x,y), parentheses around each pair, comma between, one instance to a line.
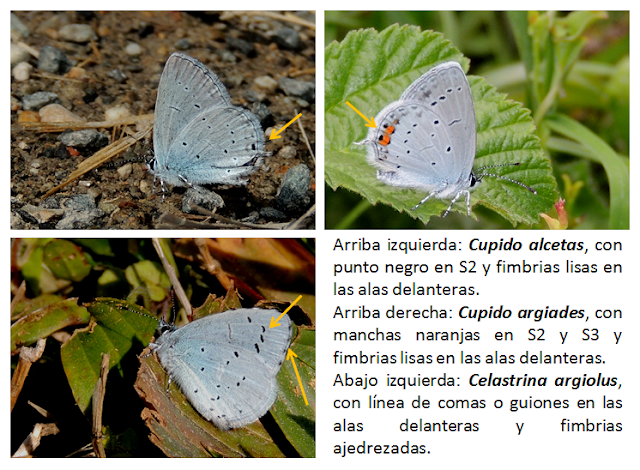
(370,122)
(275,323)
(276,134)
(291,355)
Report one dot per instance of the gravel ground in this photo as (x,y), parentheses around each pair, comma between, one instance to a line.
(266,63)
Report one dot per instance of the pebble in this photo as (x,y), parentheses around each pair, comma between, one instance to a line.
(119,112)
(293,192)
(298,88)
(287,38)
(58,113)
(271,213)
(133,49)
(84,139)
(41,214)
(18,55)
(266,83)
(18,28)
(254,96)
(94,192)
(118,75)
(38,100)
(182,44)
(53,60)
(125,170)
(200,197)
(80,33)
(287,151)
(22,71)
(78,73)
(80,211)
(145,187)
(247,48)
(227,56)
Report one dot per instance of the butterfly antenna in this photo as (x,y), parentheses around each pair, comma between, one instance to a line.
(482,175)
(174,311)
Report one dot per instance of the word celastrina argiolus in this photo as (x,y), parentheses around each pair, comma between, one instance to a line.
(199,137)
(426,140)
(226,363)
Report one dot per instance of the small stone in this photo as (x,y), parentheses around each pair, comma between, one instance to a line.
(118,75)
(80,212)
(17,223)
(94,192)
(58,113)
(18,54)
(266,82)
(271,213)
(114,114)
(298,88)
(53,60)
(247,48)
(22,71)
(78,73)
(84,139)
(145,187)
(182,44)
(292,195)
(287,38)
(227,56)
(80,33)
(254,96)
(39,99)
(18,29)
(133,49)
(125,170)
(41,214)
(199,196)
(287,151)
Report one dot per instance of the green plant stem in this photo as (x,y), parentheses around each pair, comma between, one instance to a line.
(614,165)
(353,215)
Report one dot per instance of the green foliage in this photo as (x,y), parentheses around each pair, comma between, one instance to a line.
(578,95)
(370,69)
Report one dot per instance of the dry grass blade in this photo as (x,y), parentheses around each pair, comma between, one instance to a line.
(306,139)
(287,17)
(173,276)
(297,223)
(27,357)
(140,121)
(100,157)
(32,441)
(98,402)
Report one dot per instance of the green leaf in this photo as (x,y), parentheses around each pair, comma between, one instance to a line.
(295,418)
(151,276)
(99,246)
(42,322)
(371,69)
(40,278)
(116,328)
(66,260)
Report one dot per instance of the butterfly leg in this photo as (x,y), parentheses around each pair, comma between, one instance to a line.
(423,201)
(468,203)
(453,201)
(185,181)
